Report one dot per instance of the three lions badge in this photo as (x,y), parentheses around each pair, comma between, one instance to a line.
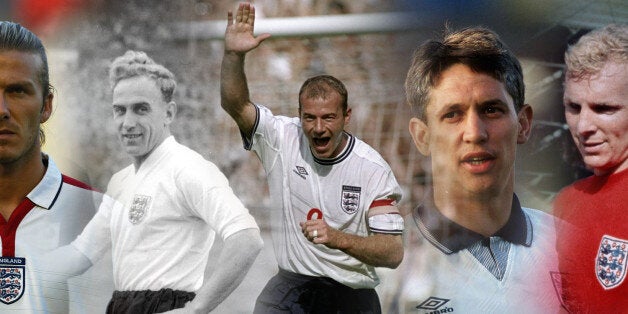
(12,279)
(610,264)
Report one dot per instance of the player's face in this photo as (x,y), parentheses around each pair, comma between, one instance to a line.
(596,110)
(141,116)
(471,133)
(22,105)
(323,123)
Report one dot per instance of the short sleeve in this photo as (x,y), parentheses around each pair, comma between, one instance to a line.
(208,196)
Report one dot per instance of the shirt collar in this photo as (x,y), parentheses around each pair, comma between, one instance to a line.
(47,190)
(451,237)
(157,153)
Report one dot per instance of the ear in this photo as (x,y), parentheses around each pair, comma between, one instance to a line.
(46,109)
(420,135)
(347,116)
(525,124)
(171,112)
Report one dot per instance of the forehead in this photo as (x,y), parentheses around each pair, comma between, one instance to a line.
(331,103)
(138,89)
(459,85)
(609,85)
(19,66)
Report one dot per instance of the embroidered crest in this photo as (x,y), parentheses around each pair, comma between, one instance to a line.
(12,279)
(610,264)
(139,207)
(350,200)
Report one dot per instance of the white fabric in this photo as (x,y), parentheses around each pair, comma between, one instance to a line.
(186,201)
(386,223)
(342,188)
(464,285)
(62,208)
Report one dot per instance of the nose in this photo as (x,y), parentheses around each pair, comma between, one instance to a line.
(129,121)
(4,109)
(585,126)
(474,129)
(319,126)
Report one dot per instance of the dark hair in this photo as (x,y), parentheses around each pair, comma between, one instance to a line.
(14,36)
(322,86)
(478,48)
(137,63)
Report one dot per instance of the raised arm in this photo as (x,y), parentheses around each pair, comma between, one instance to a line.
(234,90)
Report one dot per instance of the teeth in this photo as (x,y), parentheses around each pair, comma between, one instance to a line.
(131,135)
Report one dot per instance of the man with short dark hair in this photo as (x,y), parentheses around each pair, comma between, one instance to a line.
(593,255)
(41,208)
(334,196)
(472,247)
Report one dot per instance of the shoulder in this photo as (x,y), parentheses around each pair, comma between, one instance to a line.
(189,165)
(542,222)
(368,154)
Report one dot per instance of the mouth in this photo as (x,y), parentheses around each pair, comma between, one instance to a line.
(131,136)
(478,162)
(321,142)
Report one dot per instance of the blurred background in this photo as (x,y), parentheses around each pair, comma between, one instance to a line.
(367,44)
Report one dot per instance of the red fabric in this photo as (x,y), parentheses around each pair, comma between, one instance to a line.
(596,206)
(384,202)
(76,183)
(9,228)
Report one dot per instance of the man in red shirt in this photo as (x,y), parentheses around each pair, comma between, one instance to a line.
(593,254)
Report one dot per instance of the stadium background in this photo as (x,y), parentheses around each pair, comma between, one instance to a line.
(83,37)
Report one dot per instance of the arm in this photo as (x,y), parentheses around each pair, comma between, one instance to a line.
(236,257)
(378,249)
(67,261)
(234,90)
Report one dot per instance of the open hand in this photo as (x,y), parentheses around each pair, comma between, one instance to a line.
(239,36)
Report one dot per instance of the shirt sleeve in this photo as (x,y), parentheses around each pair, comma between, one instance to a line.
(268,134)
(95,239)
(208,196)
(387,191)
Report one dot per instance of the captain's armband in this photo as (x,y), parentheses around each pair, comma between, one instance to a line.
(391,223)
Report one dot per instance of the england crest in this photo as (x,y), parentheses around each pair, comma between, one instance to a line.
(610,264)
(350,200)
(139,207)
(12,279)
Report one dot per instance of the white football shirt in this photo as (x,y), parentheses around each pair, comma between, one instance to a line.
(342,188)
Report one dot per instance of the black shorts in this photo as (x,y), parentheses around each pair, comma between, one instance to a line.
(148,301)
(288,292)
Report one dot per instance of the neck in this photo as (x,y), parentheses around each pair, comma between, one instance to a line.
(484,213)
(17,179)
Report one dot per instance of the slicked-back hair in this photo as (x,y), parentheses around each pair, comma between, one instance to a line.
(137,63)
(592,51)
(478,48)
(322,86)
(15,37)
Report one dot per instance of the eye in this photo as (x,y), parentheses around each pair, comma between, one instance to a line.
(16,90)
(572,107)
(142,109)
(604,109)
(452,115)
(118,110)
(493,111)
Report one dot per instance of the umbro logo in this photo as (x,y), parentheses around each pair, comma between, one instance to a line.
(435,305)
(300,171)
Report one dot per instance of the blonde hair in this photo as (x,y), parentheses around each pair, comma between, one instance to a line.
(137,63)
(593,50)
